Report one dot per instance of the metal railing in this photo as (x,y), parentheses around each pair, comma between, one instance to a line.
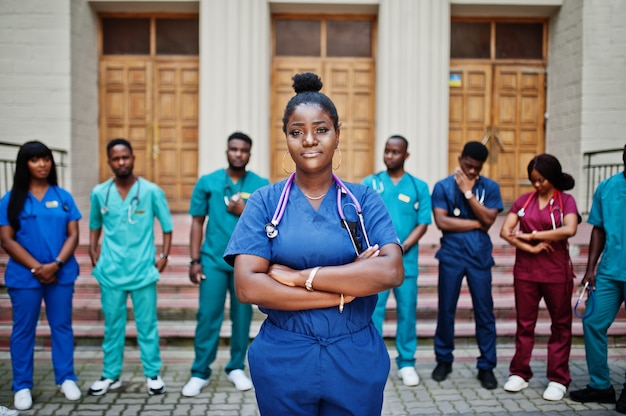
(599,170)
(8,154)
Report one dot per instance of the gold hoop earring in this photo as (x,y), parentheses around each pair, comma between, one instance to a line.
(340,159)
(285,170)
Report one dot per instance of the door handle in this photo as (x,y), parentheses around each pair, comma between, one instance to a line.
(498,139)
(155,142)
(487,135)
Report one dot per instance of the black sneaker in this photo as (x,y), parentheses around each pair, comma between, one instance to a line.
(589,394)
(620,406)
(440,373)
(487,379)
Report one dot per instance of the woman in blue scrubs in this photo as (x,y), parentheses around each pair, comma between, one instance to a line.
(315,275)
(39,231)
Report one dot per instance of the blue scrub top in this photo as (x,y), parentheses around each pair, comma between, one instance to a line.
(409,205)
(43,232)
(127,253)
(207,200)
(473,248)
(607,212)
(308,238)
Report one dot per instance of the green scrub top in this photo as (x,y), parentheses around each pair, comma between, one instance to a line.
(127,253)
(408,203)
(607,211)
(209,198)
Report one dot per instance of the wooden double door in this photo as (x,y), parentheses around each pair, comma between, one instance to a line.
(148,93)
(503,106)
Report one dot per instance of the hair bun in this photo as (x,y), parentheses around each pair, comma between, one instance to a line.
(307,82)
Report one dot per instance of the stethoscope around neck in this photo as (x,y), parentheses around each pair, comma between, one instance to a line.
(134,201)
(379,187)
(522,211)
(271,228)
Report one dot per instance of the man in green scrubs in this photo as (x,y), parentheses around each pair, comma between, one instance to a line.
(125,208)
(408,200)
(221,196)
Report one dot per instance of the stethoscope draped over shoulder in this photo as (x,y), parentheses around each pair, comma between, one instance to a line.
(133,202)
(271,228)
(379,187)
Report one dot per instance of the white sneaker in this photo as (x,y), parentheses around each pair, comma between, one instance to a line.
(194,386)
(240,380)
(155,385)
(409,376)
(103,385)
(71,390)
(515,384)
(23,400)
(554,392)
(5,411)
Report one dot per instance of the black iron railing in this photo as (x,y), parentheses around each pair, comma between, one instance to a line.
(8,153)
(600,165)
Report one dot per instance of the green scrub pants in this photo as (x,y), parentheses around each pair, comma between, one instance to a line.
(609,298)
(115,311)
(209,318)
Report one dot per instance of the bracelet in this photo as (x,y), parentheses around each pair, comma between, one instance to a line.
(341,303)
(163,256)
(194,261)
(58,262)
(308,285)
(533,235)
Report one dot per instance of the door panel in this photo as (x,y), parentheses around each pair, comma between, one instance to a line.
(518,120)
(125,106)
(503,106)
(470,103)
(175,139)
(350,84)
(154,105)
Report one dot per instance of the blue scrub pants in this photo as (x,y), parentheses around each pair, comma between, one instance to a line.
(479,282)
(406,306)
(301,375)
(609,296)
(115,312)
(209,318)
(26,304)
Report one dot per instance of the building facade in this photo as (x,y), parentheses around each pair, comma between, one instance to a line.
(177,77)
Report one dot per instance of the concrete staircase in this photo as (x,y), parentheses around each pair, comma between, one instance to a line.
(177,300)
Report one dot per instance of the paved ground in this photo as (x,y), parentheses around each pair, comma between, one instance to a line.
(461,394)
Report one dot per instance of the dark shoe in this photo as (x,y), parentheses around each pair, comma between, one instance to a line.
(487,379)
(440,373)
(620,406)
(589,394)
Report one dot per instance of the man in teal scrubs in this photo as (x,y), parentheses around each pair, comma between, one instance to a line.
(125,207)
(221,196)
(609,282)
(408,200)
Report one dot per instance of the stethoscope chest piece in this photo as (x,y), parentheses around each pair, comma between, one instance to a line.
(456,212)
(104,210)
(521,212)
(271,230)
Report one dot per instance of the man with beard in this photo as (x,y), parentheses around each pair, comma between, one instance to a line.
(221,196)
(408,200)
(125,207)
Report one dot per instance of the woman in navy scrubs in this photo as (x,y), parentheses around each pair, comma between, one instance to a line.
(318,352)
(39,231)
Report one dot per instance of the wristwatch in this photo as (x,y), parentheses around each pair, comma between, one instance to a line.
(468,194)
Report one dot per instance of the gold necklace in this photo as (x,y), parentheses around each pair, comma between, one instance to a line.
(315,198)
